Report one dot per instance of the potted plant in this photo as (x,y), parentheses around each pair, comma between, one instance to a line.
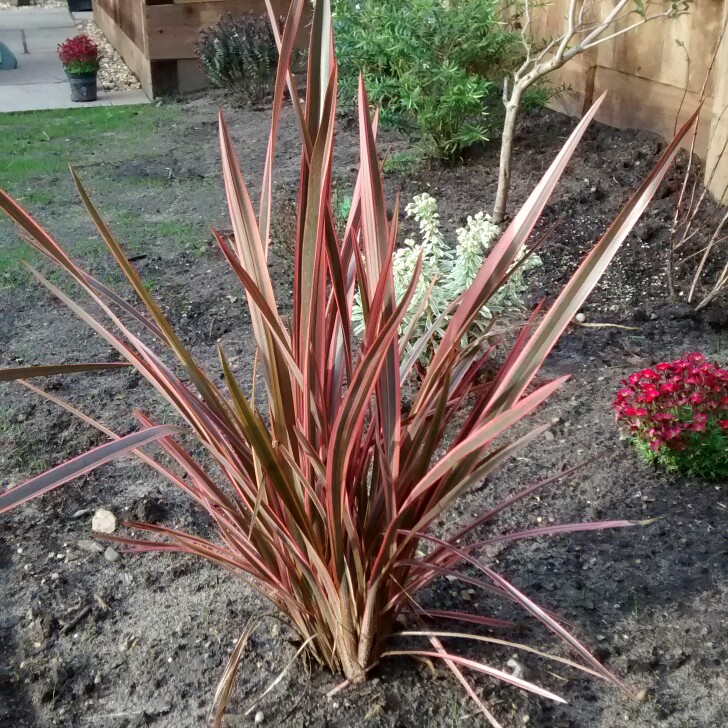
(80,59)
(79,6)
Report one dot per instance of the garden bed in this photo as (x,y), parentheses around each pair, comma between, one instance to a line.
(141,641)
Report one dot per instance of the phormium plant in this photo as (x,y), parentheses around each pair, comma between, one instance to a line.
(79,55)
(326,500)
(676,414)
(240,55)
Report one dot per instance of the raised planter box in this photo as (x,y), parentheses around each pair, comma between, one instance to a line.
(157,38)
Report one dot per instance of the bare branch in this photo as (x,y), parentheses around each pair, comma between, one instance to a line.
(570,28)
(558,51)
(584,46)
(611,18)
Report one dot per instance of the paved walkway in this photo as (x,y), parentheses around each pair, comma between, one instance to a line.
(39,81)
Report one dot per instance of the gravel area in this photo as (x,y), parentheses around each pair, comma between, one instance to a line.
(114,74)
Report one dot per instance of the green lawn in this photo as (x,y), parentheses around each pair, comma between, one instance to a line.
(102,144)
(38,144)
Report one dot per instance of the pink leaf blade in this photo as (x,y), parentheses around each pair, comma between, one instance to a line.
(82,464)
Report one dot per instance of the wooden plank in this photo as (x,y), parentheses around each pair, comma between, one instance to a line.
(133,55)
(646,73)
(173,30)
(632,102)
(190,76)
(716,162)
(128,16)
(670,51)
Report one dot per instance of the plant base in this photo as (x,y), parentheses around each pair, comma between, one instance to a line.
(83,86)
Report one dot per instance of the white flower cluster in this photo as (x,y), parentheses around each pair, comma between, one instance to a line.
(452,271)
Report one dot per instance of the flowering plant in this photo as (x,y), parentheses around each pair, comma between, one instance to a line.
(447,272)
(677,415)
(79,55)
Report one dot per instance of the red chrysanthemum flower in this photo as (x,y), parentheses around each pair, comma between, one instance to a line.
(678,410)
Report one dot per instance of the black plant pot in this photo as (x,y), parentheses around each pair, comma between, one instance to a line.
(83,86)
(79,6)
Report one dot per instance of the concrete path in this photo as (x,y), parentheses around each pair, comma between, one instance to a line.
(39,82)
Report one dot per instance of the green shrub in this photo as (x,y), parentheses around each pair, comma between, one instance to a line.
(240,55)
(447,272)
(429,64)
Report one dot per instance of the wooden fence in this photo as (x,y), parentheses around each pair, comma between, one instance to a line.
(157,38)
(654,76)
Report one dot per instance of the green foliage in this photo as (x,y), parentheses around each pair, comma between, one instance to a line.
(81,68)
(240,55)
(704,455)
(341,203)
(539,95)
(447,272)
(401,162)
(429,64)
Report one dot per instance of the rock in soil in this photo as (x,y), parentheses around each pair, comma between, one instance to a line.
(103,521)
(111,555)
(93,547)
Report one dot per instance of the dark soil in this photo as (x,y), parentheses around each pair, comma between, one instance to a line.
(142,641)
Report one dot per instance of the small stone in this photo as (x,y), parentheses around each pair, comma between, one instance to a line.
(111,555)
(580,318)
(259,717)
(103,521)
(517,669)
(376,710)
(80,513)
(549,435)
(126,643)
(93,547)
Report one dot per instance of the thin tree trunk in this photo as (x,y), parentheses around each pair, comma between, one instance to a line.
(504,170)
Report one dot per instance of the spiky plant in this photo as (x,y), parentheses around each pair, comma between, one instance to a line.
(325,500)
